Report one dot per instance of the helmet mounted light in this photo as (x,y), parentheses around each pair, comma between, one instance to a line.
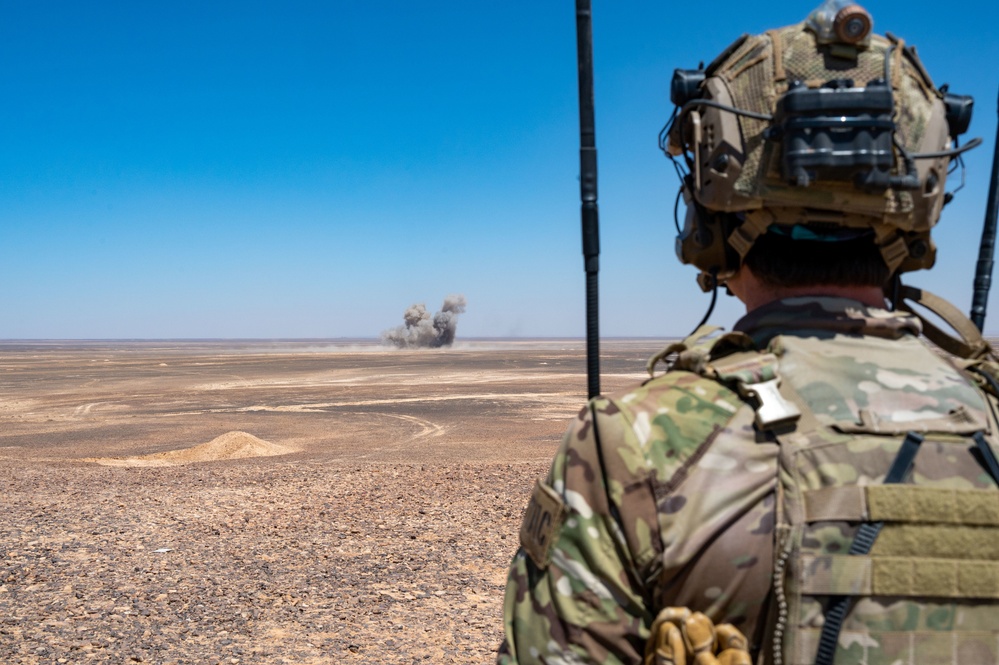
(841,21)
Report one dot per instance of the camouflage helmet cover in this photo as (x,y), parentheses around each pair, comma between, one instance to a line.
(737,159)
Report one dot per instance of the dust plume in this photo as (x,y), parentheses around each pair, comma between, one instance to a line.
(423,330)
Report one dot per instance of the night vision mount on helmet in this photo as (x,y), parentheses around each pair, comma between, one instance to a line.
(821,128)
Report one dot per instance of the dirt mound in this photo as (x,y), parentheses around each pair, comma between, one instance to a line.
(231,445)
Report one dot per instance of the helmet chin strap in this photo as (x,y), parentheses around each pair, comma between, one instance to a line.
(893,248)
(755,224)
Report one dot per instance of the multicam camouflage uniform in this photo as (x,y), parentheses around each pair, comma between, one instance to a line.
(669,495)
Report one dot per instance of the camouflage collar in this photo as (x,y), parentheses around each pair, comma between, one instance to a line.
(823,317)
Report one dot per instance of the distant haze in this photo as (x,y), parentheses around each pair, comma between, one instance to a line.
(422,330)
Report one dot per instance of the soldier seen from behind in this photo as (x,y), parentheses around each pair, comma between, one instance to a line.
(818,485)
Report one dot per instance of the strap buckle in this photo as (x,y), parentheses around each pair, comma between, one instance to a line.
(772,409)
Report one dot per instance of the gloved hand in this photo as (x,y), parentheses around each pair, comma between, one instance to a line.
(682,637)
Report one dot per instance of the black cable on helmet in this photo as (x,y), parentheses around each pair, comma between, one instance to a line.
(724,107)
(953,152)
(714,299)
(664,133)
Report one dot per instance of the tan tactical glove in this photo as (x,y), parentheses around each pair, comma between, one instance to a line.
(682,637)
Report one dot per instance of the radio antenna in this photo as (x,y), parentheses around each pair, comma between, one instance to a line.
(986,250)
(588,192)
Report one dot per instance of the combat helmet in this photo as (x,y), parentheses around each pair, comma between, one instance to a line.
(819,130)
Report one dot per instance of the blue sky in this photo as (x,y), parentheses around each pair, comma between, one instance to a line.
(310,169)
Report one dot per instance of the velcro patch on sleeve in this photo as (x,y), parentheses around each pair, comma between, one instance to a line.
(542,523)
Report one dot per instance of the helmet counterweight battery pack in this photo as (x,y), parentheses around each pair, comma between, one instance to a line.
(836,132)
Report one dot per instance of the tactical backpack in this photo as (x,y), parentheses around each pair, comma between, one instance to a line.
(887,539)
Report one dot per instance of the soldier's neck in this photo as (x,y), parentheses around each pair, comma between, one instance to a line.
(754,293)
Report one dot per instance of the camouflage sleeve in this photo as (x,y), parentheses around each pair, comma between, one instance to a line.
(574,589)
(587,581)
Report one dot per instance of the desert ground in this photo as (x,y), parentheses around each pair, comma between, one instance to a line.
(289,502)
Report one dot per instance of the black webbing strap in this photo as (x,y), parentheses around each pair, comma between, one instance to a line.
(862,544)
(984,449)
(988,457)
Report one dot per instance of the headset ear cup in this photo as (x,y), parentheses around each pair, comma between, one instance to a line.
(702,242)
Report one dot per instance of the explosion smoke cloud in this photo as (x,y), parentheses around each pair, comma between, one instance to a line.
(423,330)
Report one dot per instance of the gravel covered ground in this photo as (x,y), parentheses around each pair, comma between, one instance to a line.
(245,562)
(378,532)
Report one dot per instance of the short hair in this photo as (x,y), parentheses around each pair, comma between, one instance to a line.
(780,261)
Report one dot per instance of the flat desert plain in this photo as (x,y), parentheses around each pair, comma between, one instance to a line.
(273,502)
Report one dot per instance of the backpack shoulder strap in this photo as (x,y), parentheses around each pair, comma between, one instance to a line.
(755,376)
(968,344)
(734,361)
